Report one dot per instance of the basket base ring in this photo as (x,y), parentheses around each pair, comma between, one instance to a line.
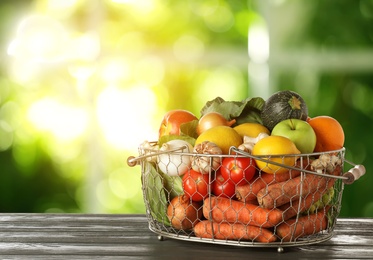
(162,234)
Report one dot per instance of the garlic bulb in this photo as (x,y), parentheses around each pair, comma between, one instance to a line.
(173,162)
(205,164)
(249,142)
(149,148)
(326,162)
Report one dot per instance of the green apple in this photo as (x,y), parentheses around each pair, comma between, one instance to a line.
(298,131)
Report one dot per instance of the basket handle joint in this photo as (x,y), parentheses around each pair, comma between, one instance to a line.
(354,174)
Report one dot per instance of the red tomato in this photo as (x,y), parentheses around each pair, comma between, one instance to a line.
(223,187)
(239,170)
(196,185)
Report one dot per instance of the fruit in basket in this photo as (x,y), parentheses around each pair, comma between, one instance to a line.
(173,162)
(196,185)
(239,170)
(222,187)
(268,147)
(212,119)
(183,213)
(222,136)
(251,129)
(298,131)
(329,133)
(172,121)
(283,105)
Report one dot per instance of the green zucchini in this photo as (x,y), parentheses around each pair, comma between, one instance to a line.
(283,105)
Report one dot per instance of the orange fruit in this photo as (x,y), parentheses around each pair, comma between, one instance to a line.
(329,133)
(269,147)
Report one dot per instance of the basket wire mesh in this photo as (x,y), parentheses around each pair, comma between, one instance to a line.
(299,223)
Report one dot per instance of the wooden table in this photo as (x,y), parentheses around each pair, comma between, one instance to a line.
(96,236)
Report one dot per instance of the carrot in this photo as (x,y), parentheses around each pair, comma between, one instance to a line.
(254,202)
(294,228)
(278,194)
(291,209)
(222,209)
(236,231)
(249,191)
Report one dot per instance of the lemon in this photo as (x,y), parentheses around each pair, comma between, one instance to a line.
(275,145)
(251,129)
(222,136)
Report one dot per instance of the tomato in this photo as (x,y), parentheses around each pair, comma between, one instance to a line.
(223,187)
(196,185)
(239,170)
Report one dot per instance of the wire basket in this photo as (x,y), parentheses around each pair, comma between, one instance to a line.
(299,207)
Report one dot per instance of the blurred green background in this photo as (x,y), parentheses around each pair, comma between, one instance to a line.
(84,82)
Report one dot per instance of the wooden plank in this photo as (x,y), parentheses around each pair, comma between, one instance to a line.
(53,236)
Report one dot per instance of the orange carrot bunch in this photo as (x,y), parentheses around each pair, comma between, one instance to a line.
(269,208)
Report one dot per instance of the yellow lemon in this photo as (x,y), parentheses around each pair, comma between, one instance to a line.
(251,129)
(268,147)
(222,136)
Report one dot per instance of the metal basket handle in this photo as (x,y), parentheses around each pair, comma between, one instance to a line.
(354,173)
(348,177)
(133,161)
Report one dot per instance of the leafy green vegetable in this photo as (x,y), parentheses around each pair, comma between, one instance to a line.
(251,111)
(244,111)
(189,129)
(156,199)
(173,186)
(325,200)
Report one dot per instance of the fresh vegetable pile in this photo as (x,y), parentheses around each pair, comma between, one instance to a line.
(239,170)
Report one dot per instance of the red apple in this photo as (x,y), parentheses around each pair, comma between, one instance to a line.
(173,119)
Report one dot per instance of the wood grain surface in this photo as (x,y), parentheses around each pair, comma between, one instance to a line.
(96,236)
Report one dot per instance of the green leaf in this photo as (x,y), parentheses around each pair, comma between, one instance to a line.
(244,111)
(250,113)
(189,129)
(173,186)
(324,201)
(156,199)
(227,108)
